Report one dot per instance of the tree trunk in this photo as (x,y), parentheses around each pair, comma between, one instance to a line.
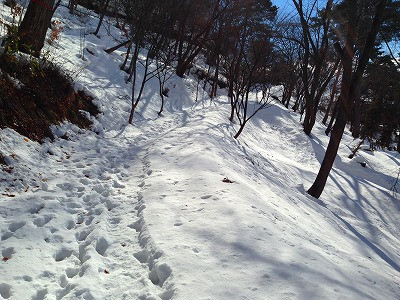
(333,92)
(356,128)
(72,5)
(123,66)
(354,151)
(33,28)
(240,130)
(330,155)
(112,49)
(333,117)
(102,16)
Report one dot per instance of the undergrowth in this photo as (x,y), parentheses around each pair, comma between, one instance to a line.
(35,94)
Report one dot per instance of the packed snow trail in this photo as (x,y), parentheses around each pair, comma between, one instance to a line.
(80,231)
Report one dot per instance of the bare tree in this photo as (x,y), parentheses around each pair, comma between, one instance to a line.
(316,43)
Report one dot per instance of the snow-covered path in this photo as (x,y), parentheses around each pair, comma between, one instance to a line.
(81,229)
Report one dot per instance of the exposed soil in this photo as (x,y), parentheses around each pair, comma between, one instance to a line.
(34,96)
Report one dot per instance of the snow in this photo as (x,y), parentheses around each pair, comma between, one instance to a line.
(142,211)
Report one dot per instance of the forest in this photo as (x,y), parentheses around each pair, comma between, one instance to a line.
(300,96)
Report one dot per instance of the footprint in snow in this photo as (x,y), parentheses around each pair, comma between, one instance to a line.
(7,253)
(40,295)
(62,254)
(40,222)
(5,290)
(102,246)
(17,225)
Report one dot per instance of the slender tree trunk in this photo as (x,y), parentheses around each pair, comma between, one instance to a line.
(214,87)
(33,28)
(161,86)
(356,128)
(240,130)
(71,5)
(112,49)
(123,66)
(332,97)
(233,105)
(289,96)
(103,12)
(333,118)
(356,148)
(132,66)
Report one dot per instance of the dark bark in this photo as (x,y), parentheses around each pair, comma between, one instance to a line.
(123,66)
(103,11)
(240,130)
(354,151)
(333,118)
(112,49)
(356,122)
(33,28)
(332,97)
(72,4)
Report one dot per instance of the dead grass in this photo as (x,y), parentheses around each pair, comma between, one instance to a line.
(34,97)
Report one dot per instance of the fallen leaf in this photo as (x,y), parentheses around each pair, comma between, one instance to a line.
(227,180)
(9,195)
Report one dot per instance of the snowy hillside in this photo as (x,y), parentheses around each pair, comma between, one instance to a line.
(174,207)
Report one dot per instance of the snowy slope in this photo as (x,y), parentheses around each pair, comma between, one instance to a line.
(142,211)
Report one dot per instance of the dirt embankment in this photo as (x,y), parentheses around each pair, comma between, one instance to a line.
(35,95)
